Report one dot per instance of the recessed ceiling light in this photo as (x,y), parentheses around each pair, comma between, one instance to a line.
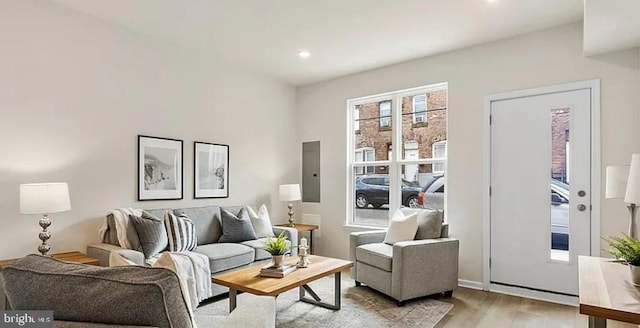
(492,1)
(304,54)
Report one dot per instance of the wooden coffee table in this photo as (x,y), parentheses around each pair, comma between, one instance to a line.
(249,280)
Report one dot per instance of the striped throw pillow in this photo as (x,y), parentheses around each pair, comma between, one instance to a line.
(181,232)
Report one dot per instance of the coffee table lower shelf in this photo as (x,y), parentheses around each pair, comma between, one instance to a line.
(249,280)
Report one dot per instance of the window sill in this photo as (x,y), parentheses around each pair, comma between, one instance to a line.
(384,128)
(420,125)
(355,227)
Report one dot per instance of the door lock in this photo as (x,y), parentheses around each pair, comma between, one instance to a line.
(582,207)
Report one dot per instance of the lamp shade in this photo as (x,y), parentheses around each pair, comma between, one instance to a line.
(289,192)
(617,177)
(44,198)
(633,184)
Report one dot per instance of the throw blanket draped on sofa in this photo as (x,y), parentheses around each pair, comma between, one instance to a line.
(121,218)
(192,270)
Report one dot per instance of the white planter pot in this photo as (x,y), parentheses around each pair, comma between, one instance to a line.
(278,260)
(635,274)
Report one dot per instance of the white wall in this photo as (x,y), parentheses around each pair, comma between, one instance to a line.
(548,57)
(74,94)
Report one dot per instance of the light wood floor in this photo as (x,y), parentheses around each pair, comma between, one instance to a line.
(476,308)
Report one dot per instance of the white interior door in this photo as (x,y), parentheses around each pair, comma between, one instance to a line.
(539,223)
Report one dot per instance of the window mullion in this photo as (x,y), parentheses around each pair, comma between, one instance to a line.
(396,154)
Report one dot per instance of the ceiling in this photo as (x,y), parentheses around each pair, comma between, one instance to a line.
(343,36)
(611,25)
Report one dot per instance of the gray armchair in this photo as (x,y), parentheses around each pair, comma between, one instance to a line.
(407,269)
(129,296)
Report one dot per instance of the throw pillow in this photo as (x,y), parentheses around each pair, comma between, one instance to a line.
(151,232)
(261,222)
(401,228)
(429,222)
(181,232)
(236,228)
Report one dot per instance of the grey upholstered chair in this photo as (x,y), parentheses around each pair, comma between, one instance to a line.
(84,296)
(408,269)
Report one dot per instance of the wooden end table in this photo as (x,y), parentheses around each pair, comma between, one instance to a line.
(75,257)
(606,291)
(303,228)
(249,280)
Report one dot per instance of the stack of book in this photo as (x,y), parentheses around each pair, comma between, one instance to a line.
(277,272)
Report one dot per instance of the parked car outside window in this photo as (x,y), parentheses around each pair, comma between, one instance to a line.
(374,190)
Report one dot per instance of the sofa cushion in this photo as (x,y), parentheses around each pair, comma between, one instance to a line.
(236,228)
(261,222)
(223,256)
(181,232)
(84,293)
(131,234)
(258,245)
(401,228)
(207,221)
(379,255)
(429,222)
(151,233)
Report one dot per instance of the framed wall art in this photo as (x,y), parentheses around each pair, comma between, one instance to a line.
(211,170)
(159,168)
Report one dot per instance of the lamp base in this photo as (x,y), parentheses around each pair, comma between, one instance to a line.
(44,235)
(632,223)
(290,206)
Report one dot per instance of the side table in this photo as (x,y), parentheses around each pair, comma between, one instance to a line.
(303,228)
(75,257)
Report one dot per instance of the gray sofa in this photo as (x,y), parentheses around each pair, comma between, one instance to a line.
(92,297)
(208,226)
(406,269)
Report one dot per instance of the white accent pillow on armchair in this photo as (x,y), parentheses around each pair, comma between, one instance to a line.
(401,228)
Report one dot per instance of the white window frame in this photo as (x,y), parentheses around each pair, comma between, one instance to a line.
(356,119)
(439,167)
(422,113)
(386,118)
(395,161)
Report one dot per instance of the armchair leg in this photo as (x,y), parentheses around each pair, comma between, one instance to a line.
(448,293)
(400,303)
(358,284)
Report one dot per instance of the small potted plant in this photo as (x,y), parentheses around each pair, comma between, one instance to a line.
(628,249)
(277,247)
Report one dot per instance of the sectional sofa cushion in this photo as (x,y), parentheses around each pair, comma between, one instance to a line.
(181,232)
(132,235)
(84,293)
(236,228)
(225,256)
(429,222)
(258,245)
(151,233)
(261,222)
(207,221)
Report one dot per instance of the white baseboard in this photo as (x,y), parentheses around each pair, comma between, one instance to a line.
(534,294)
(521,292)
(470,284)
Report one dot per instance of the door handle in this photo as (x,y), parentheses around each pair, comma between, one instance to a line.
(582,207)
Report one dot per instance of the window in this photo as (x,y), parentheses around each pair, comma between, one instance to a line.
(439,150)
(365,155)
(420,109)
(400,163)
(385,114)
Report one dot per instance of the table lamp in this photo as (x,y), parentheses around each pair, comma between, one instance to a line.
(290,193)
(45,199)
